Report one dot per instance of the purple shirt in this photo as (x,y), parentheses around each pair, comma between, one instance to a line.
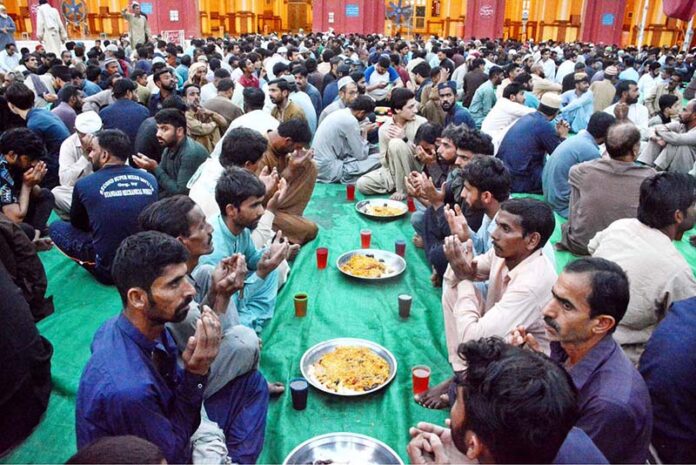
(613,400)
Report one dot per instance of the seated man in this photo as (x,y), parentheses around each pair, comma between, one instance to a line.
(577,104)
(347,93)
(571,152)
(484,97)
(180,217)
(643,247)
(340,145)
(672,146)
(133,384)
(528,141)
(454,114)
(494,417)
(589,299)
(74,161)
(506,111)
(520,279)
(627,107)
(181,157)
(286,156)
(26,360)
(396,142)
(593,209)
(105,207)
(668,366)
(22,200)
(239,195)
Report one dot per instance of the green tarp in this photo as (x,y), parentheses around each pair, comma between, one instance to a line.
(338,307)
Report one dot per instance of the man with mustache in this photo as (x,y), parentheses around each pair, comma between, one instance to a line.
(628,108)
(133,384)
(589,300)
(672,146)
(105,205)
(181,157)
(519,279)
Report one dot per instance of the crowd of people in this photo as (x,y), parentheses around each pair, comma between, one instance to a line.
(180,174)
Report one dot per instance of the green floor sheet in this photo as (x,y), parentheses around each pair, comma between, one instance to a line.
(338,307)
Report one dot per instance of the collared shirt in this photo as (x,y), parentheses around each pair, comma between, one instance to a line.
(126,115)
(178,166)
(524,149)
(668,366)
(483,101)
(8,62)
(73,164)
(515,297)
(569,153)
(459,115)
(132,385)
(579,448)
(657,273)
(500,119)
(338,141)
(90,88)
(638,114)
(577,109)
(614,404)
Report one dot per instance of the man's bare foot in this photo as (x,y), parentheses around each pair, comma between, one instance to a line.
(436,397)
(42,244)
(398,196)
(436,279)
(276,389)
(418,241)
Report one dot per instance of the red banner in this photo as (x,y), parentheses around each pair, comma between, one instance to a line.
(680,9)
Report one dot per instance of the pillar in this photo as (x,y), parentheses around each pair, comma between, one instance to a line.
(484,18)
(602,21)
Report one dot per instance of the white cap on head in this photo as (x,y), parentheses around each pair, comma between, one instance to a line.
(88,122)
(551,100)
(344,81)
(282,50)
(112,48)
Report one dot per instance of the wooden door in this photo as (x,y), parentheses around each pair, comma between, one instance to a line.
(297,15)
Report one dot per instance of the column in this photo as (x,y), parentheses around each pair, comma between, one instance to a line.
(602,21)
(484,18)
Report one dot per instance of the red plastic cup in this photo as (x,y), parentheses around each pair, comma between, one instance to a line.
(421,378)
(322,257)
(411,204)
(365,238)
(350,192)
(400,247)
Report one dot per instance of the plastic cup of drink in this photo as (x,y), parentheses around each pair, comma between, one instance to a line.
(350,192)
(420,375)
(365,238)
(322,257)
(405,305)
(411,204)
(301,304)
(299,388)
(400,247)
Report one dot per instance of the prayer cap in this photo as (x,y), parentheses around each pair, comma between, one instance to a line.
(451,84)
(344,81)
(88,122)
(579,77)
(551,100)
(611,71)
(112,48)
(108,61)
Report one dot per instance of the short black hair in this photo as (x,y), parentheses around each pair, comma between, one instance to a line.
(513,88)
(281,83)
(221,73)
(22,141)
(156,77)
(623,86)
(495,71)
(519,402)
(296,129)
(428,132)
(422,69)
(235,186)
(535,216)
(175,102)
(662,195)
(300,69)
(610,288)
(116,142)
(384,61)
(168,216)
(522,78)
(225,84)
(254,98)
(488,174)
(141,258)
(400,97)
(61,72)
(122,86)
(172,117)
(67,92)
(473,140)
(136,74)
(667,101)
(363,103)
(599,124)
(622,137)
(19,95)
(279,67)
(242,145)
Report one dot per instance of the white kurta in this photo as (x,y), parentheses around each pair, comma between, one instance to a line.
(49,29)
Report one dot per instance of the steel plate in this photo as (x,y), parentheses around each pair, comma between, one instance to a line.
(312,355)
(342,448)
(395,264)
(363,207)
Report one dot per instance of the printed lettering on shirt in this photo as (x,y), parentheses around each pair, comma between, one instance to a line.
(126,185)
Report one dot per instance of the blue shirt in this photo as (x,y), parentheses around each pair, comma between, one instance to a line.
(669,368)
(629,74)
(90,88)
(123,392)
(569,153)
(576,110)
(459,115)
(125,115)
(530,100)
(483,101)
(613,400)
(315,96)
(107,203)
(53,132)
(330,93)
(579,448)
(524,149)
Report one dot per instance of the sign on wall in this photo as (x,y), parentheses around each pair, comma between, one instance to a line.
(146,8)
(352,10)
(175,37)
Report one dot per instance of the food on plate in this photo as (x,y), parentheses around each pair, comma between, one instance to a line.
(364,266)
(349,369)
(384,210)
